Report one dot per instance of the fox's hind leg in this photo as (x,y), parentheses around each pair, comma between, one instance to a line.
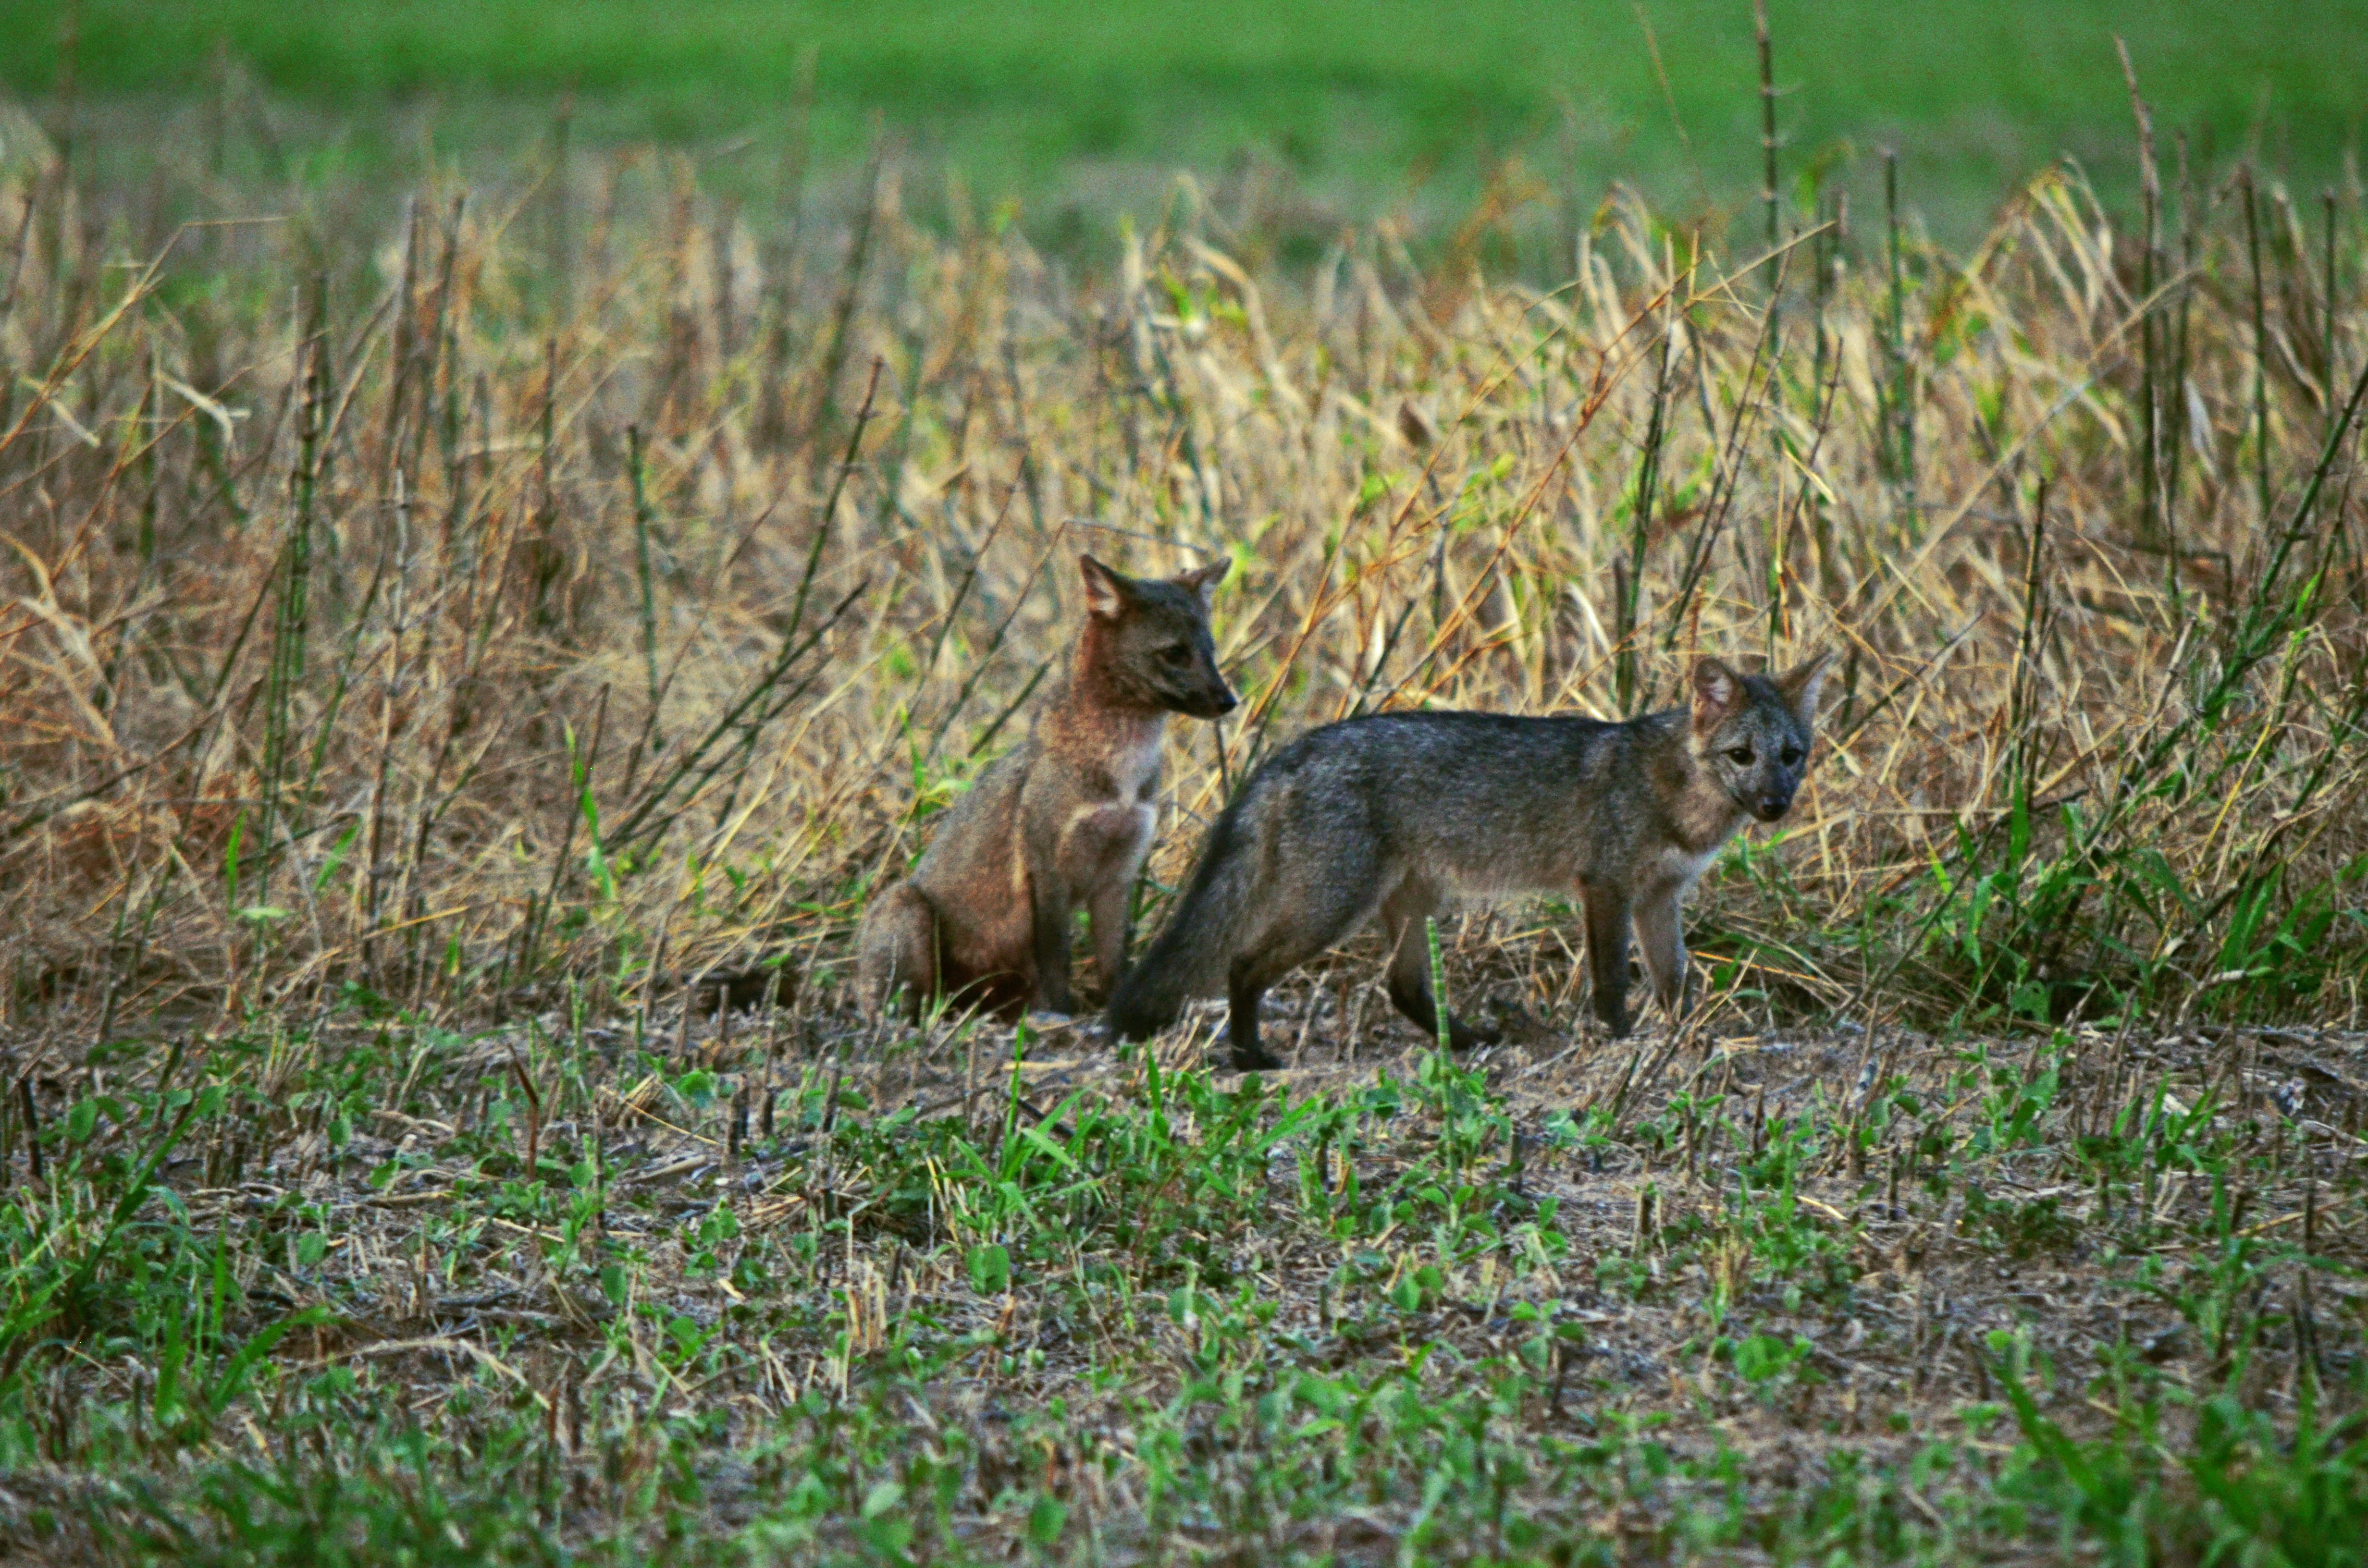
(1297,918)
(1279,950)
(1406,916)
(896,950)
(1245,987)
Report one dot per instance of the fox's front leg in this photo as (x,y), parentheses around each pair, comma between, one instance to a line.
(1662,940)
(1106,908)
(1607,956)
(1051,905)
(896,952)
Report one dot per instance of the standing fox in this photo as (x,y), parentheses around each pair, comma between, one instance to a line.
(1063,820)
(1398,814)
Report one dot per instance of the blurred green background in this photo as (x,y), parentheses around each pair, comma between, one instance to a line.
(1348,107)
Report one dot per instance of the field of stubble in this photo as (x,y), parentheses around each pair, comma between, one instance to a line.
(425,635)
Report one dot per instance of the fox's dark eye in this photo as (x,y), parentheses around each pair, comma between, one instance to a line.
(1793,755)
(1740,755)
(1178,653)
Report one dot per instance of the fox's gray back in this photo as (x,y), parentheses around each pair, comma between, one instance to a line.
(1500,799)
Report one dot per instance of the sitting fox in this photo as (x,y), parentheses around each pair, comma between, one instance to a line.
(1064,820)
(1396,815)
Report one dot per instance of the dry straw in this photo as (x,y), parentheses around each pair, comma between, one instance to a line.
(462,609)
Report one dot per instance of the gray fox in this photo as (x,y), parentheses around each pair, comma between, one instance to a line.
(1062,820)
(1398,814)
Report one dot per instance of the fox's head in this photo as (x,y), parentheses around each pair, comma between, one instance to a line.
(1155,649)
(1752,732)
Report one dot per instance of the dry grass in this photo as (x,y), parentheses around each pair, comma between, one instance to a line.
(419,638)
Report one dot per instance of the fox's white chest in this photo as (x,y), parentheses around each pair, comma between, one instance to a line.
(1116,818)
(1681,868)
(1134,771)
(1119,826)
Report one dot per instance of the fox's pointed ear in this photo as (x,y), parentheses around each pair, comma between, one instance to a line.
(1801,684)
(1718,691)
(1203,581)
(1106,591)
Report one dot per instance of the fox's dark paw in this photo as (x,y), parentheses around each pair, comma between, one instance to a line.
(1256,1059)
(1462,1038)
(1517,1025)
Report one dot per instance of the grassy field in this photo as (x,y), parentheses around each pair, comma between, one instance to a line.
(1356,104)
(425,640)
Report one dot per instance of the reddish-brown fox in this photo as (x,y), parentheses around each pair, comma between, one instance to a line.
(1061,821)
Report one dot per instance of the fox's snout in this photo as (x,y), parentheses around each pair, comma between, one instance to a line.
(1768,808)
(1204,694)
(1217,704)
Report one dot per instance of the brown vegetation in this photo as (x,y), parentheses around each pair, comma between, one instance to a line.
(461,623)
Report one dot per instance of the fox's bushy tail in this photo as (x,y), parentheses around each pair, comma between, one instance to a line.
(1192,954)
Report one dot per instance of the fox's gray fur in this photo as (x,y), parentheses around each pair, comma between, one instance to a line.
(1398,814)
(1062,820)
